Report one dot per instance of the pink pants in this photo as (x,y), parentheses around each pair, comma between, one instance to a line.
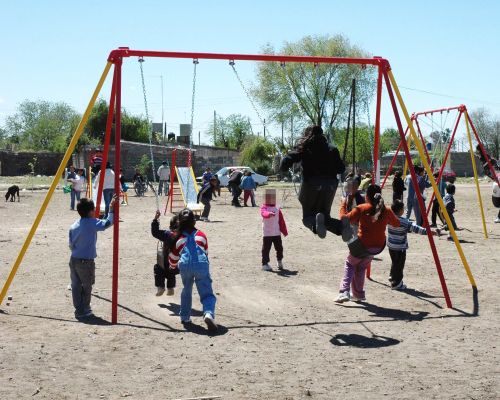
(354,275)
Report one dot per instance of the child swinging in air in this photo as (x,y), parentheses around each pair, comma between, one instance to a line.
(373,218)
(190,255)
(273,226)
(161,269)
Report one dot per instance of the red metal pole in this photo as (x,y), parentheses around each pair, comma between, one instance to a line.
(439,110)
(376,172)
(172,177)
(445,159)
(483,150)
(393,161)
(116,222)
(417,192)
(107,140)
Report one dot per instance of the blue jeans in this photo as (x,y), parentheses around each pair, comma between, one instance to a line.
(75,195)
(107,194)
(409,206)
(419,220)
(199,274)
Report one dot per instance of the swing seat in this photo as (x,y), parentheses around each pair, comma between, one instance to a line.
(358,250)
(196,208)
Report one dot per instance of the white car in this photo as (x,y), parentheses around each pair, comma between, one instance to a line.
(223,175)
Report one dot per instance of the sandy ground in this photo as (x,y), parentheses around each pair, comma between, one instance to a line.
(281,336)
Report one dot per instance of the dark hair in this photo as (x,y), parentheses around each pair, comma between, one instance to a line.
(374,197)
(174,223)
(84,207)
(450,188)
(418,169)
(397,173)
(397,206)
(187,220)
(312,134)
(108,164)
(357,179)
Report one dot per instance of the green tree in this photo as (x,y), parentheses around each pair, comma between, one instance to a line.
(231,132)
(364,145)
(42,125)
(389,140)
(488,130)
(257,153)
(317,94)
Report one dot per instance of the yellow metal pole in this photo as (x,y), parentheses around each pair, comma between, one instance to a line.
(48,196)
(432,180)
(473,159)
(405,168)
(90,182)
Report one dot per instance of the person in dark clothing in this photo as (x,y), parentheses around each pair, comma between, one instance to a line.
(161,269)
(234,185)
(206,195)
(321,163)
(398,187)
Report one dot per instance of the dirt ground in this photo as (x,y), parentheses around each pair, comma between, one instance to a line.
(281,336)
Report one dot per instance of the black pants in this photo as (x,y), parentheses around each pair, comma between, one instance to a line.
(398,258)
(266,248)
(435,212)
(206,207)
(397,196)
(164,274)
(318,199)
(236,192)
(452,219)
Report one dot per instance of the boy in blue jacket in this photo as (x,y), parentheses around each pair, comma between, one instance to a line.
(248,186)
(82,242)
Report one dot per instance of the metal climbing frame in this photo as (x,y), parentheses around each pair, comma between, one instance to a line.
(116,58)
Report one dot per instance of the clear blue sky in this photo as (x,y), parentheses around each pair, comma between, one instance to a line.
(56,50)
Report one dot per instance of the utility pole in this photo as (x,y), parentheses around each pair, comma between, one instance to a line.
(215,127)
(199,138)
(282,133)
(162,110)
(264,128)
(291,129)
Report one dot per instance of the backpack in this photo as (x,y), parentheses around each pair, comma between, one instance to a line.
(191,254)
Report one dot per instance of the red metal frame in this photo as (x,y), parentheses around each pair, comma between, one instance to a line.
(116,57)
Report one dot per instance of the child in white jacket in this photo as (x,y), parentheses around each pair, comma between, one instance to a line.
(273,226)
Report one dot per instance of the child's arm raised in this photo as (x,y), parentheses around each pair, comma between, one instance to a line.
(103,224)
(156,232)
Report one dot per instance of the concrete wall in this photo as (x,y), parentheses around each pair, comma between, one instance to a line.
(132,152)
(16,163)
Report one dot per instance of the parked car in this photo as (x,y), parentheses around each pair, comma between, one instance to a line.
(223,175)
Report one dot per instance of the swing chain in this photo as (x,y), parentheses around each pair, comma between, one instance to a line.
(193,94)
(247,93)
(141,61)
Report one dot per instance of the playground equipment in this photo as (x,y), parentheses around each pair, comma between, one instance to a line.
(182,184)
(448,144)
(116,58)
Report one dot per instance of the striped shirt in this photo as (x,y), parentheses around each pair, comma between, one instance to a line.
(174,255)
(397,236)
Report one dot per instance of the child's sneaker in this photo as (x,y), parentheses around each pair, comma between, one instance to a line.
(450,238)
(320,225)
(209,320)
(343,297)
(266,267)
(497,220)
(280,265)
(160,291)
(170,291)
(400,286)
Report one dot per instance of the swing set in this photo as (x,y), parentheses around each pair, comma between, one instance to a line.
(116,59)
(446,144)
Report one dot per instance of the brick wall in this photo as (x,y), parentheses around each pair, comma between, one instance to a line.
(461,164)
(132,152)
(16,163)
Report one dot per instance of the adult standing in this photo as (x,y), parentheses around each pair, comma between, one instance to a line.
(234,185)
(108,188)
(321,163)
(163,177)
(96,162)
(77,187)
(70,177)
(410,196)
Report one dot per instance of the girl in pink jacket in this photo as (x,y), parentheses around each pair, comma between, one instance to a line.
(273,226)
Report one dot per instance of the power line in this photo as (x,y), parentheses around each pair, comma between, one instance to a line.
(450,96)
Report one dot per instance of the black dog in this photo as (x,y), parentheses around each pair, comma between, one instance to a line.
(11,192)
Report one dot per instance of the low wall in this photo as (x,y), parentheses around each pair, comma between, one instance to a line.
(16,163)
(132,152)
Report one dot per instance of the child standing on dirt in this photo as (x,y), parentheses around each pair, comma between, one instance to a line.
(449,203)
(82,242)
(398,187)
(190,255)
(162,271)
(373,218)
(273,226)
(248,185)
(397,242)
(206,195)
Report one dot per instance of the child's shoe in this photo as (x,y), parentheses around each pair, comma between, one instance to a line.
(343,297)
(320,225)
(160,291)
(280,265)
(450,238)
(400,286)
(357,299)
(209,320)
(170,291)
(266,267)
